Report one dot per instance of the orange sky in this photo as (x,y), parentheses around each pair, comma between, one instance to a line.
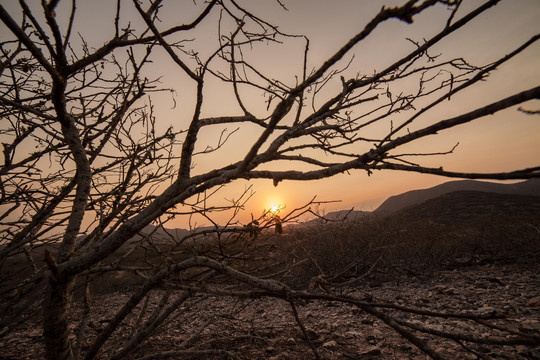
(506,141)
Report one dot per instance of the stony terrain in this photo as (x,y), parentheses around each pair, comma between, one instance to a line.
(266,329)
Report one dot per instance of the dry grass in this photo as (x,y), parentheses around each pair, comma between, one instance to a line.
(373,248)
(363,249)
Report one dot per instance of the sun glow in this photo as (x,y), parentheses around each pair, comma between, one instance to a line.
(274,208)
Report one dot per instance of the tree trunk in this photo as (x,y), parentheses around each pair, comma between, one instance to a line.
(55,325)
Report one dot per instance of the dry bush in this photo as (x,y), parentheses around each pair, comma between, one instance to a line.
(349,251)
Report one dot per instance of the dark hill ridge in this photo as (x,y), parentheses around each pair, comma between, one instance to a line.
(461,207)
(416,197)
(346,215)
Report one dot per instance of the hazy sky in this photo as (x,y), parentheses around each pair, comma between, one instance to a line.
(507,141)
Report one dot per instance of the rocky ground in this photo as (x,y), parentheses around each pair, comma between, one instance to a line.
(266,329)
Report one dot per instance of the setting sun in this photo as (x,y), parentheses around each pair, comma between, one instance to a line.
(274,205)
(274,208)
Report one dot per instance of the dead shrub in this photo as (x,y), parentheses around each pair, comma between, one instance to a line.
(361,249)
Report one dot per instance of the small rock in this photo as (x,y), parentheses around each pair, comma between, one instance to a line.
(440,350)
(487,310)
(522,350)
(371,339)
(330,345)
(93,324)
(450,291)
(336,324)
(352,334)
(440,288)
(530,325)
(534,302)
(377,334)
(280,357)
(437,327)
(373,351)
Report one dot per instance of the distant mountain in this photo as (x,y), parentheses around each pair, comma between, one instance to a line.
(339,215)
(461,207)
(416,197)
(346,214)
(160,235)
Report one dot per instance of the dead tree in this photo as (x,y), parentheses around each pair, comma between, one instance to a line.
(88,164)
